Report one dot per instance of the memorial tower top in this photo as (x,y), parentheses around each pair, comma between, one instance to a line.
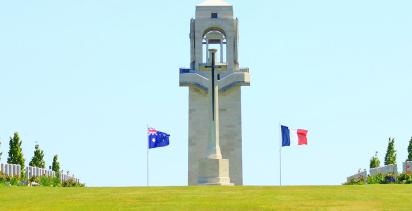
(220,7)
(214,3)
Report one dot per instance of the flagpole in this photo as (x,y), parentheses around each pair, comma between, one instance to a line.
(280,154)
(147,160)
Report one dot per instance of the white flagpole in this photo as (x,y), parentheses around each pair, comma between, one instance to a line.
(147,158)
(280,154)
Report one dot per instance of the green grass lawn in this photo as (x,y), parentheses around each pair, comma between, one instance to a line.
(365,197)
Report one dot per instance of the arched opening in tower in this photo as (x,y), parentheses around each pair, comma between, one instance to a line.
(214,39)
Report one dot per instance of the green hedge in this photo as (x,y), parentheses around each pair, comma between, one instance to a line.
(42,181)
(404,178)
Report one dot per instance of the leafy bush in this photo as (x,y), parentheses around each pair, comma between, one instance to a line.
(42,181)
(382,179)
(15,181)
(376,179)
(405,178)
(56,182)
(71,183)
(356,181)
(390,179)
(34,179)
(2,177)
(10,181)
(45,181)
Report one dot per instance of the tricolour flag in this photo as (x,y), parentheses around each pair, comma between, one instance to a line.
(293,137)
(157,138)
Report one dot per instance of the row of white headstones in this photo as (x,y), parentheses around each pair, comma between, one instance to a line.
(14,170)
(388,169)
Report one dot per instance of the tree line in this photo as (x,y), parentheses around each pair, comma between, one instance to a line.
(390,157)
(15,156)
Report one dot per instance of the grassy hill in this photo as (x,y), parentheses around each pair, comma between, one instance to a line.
(365,197)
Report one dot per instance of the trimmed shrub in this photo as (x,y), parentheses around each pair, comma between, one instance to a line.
(34,179)
(45,181)
(71,183)
(405,178)
(390,179)
(376,179)
(356,181)
(14,181)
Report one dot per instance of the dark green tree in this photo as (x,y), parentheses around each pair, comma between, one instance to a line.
(56,166)
(38,158)
(409,150)
(390,157)
(1,153)
(15,152)
(375,162)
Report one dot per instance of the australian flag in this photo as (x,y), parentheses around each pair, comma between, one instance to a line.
(157,138)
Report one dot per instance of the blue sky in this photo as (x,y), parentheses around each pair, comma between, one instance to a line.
(83,78)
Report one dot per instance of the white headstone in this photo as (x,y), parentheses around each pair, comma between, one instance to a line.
(19,170)
(6,169)
(11,170)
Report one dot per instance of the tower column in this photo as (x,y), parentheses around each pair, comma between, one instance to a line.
(207,51)
(215,126)
(221,51)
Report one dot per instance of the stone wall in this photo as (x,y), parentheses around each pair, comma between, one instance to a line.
(384,170)
(37,172)
(11,170)
(362,174)
(14,170)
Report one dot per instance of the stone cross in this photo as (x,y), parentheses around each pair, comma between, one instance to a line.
(213,145)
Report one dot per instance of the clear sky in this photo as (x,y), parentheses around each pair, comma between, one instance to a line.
(83,78)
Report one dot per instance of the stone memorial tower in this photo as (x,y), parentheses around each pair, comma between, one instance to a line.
(214,80)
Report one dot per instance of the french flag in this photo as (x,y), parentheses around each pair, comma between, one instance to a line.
(293,137)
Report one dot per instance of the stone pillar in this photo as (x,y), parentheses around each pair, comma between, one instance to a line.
(407,167)
(207,50)
(221,51)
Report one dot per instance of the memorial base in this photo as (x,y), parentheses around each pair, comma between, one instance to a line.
(214,172)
